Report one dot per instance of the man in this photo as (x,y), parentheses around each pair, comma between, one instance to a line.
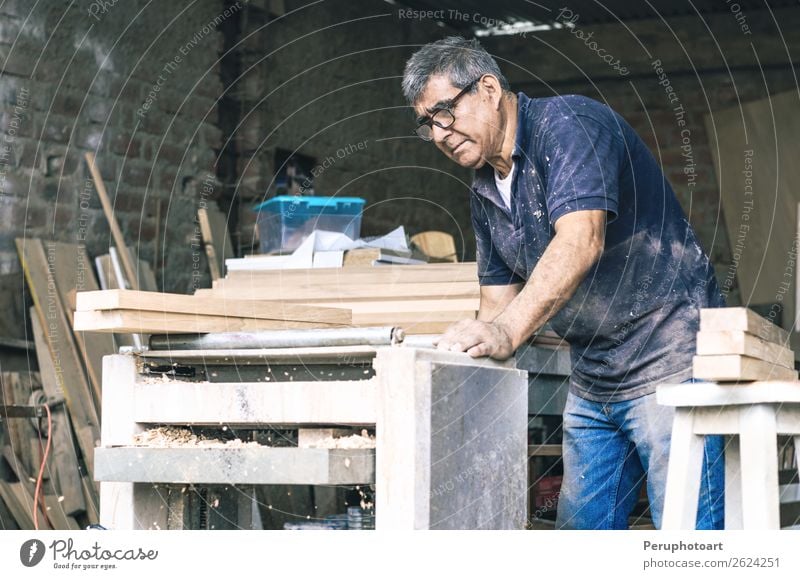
(577,226)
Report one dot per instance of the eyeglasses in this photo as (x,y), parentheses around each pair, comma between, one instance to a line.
(442,117)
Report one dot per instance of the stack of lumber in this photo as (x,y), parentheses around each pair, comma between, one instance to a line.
(736,344)
(126,311)
(422,299)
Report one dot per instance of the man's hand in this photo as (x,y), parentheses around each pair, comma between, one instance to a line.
(477,339)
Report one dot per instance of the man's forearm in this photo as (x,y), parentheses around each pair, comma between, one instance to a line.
(554,280)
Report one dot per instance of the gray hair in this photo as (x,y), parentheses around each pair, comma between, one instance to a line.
(461,60)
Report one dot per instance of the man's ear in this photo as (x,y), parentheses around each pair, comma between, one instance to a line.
(491,89)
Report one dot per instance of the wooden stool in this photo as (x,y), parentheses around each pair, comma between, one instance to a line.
(750,416)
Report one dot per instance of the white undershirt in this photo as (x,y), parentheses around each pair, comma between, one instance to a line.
(504,185)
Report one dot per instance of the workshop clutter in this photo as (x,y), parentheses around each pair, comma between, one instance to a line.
(736,344)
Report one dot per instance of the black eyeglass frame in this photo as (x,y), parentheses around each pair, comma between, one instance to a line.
(451,104)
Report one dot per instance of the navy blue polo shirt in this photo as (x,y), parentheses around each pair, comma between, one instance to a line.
(632,322)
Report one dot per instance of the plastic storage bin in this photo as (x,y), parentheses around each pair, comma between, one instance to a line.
(285,221)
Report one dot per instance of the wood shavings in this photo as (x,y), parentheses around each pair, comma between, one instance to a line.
(170,436)
(363,440)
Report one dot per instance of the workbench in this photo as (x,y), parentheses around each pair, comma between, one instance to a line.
(450,431)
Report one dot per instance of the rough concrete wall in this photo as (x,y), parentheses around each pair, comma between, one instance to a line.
(677,71)
(137,83)
(324,81)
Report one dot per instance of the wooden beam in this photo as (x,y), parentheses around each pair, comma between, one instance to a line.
(203,306)
(743,320)
(721,343)
(116,232)
(144,322)
(733,368)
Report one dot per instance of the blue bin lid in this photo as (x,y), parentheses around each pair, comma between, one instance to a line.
(276,202)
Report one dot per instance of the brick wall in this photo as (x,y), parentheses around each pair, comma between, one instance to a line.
(137,83)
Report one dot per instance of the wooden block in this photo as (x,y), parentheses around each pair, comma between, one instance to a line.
(722,343)
(143,322)
(734,368)
(743,320)
(197,305)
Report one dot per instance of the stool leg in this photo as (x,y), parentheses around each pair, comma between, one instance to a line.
(733,483)
(759,457)
(683,474)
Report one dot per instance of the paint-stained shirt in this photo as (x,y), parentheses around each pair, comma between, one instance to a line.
(632,322)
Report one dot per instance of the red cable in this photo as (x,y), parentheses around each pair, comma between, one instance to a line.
(36,494)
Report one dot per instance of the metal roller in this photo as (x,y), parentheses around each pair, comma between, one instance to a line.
(381,336)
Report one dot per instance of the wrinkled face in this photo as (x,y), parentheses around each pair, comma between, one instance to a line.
(473,137)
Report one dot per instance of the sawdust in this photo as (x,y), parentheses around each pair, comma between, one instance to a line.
(170,436)
(363,440)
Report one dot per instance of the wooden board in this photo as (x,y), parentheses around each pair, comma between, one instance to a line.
(217,241)
(142,322)
(742,320)
(306,292)
(721,343)
(64,455)
(72,380)
(466,271)
(109,280)
(733,368)
(198,305)
(343,276)
(759,214)
(72,272)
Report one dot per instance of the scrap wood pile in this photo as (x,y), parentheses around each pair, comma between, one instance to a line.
(68,382)
(736,344)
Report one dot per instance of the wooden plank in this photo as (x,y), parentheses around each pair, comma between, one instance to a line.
(306,292)
(65,456)
(734,367)
(217,241)
(109,279)
(58,515)
(73,273)
(72,380)
(142,322)
(116,232)
(742,320)
(683,476)
(721,343)
(294,403)
(19,510)
(379,306)
(467,271)
(198,305)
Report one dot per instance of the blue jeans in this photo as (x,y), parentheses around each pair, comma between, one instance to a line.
(608,449)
